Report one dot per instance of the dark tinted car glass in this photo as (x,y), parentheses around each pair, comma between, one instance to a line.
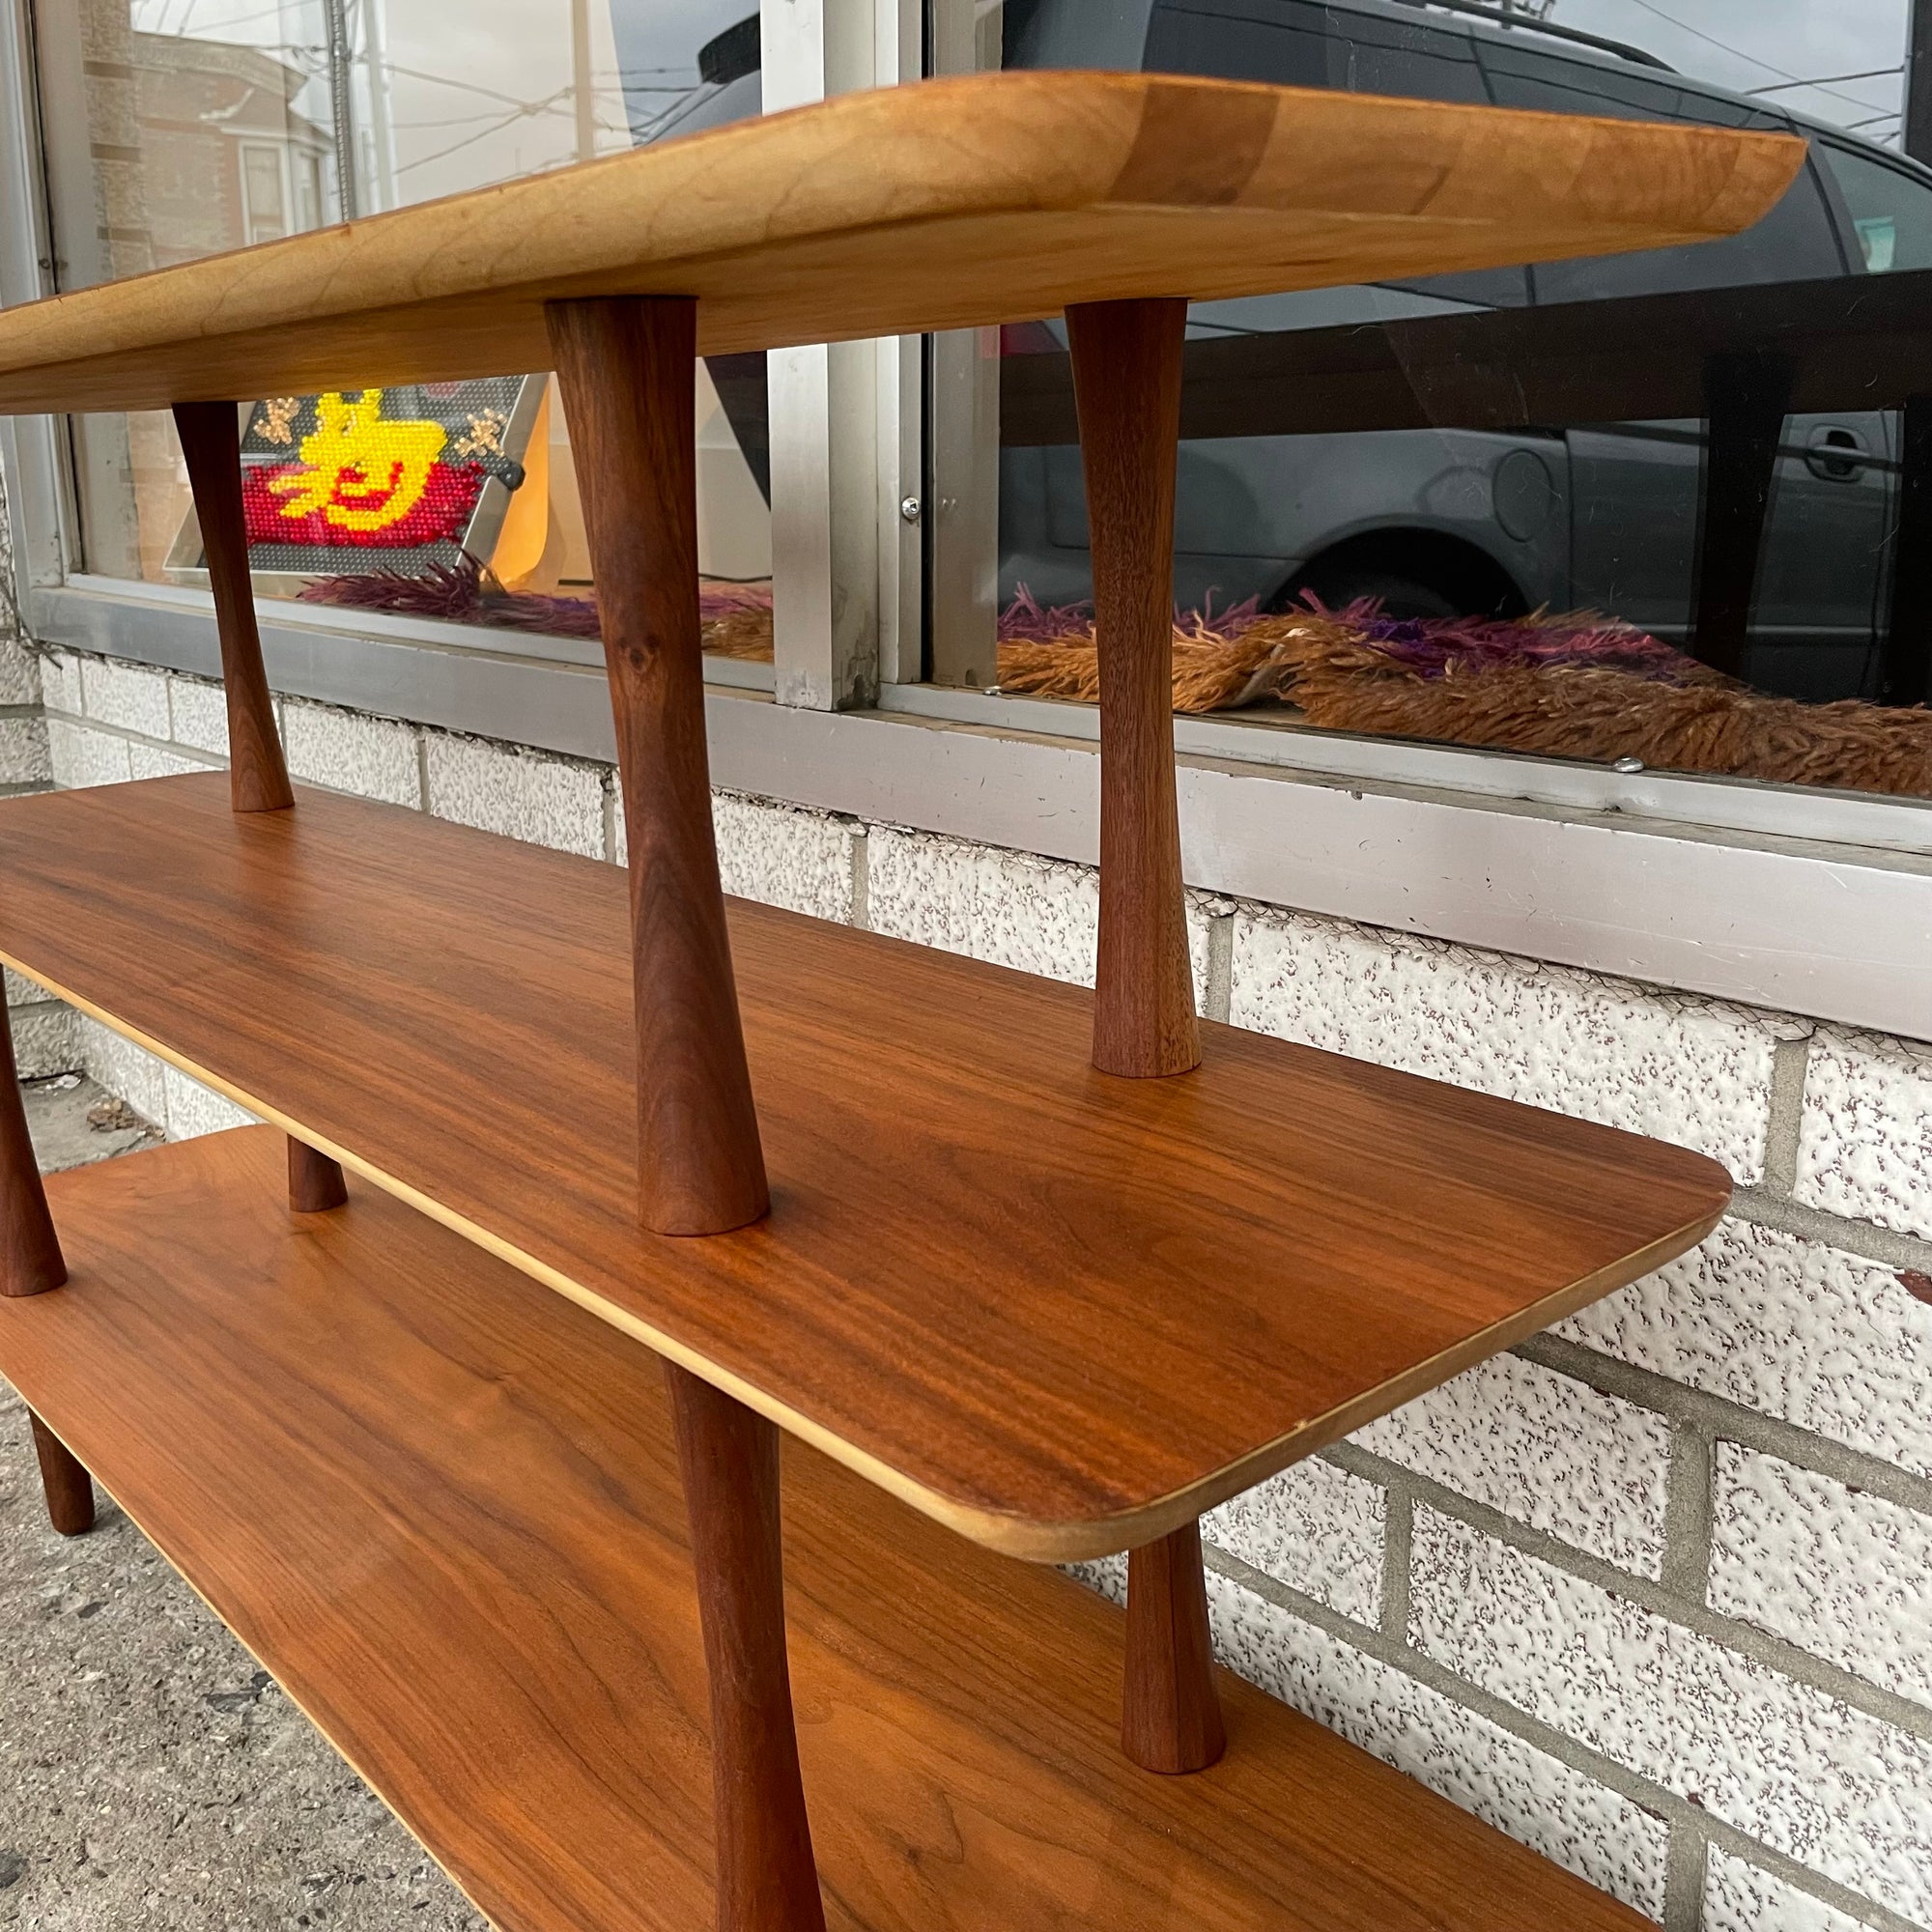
(1301,44)
(1891,210)
(1566,83)
(1309,44)
(1794,243)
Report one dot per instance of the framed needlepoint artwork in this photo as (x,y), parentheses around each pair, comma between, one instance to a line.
(405,480)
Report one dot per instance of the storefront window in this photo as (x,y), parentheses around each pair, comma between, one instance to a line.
(180,130)
(1573,583)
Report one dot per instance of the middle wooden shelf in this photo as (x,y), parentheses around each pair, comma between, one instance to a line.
(1060,1312)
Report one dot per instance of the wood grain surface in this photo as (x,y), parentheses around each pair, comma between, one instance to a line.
(30,1250)
(626,370)
(1063,1313)
(947,204)
(728,1460)
(66,1486)
(1127,373)
(211,440)
(443,1509)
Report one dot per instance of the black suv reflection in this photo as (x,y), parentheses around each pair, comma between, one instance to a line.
(1442,520)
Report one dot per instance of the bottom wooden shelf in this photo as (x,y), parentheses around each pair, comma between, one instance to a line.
(441,1505)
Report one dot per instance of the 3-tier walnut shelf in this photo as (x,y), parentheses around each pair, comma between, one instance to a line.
(1025,1272)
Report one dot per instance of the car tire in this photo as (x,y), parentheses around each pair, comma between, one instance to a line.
(1399,594)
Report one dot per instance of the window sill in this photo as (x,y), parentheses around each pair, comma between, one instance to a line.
(1717,804)
(1777,897)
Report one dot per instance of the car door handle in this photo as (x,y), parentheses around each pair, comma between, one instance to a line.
(1834,454)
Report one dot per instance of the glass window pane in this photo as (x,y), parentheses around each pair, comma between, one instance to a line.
(1450,520)
(230,122)
(1794,243)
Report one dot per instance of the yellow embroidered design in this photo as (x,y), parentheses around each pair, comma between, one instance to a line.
(365,471)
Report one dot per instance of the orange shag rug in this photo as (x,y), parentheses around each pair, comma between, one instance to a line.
(1574,687)
(1577,686)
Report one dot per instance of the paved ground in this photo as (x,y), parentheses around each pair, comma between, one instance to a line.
(150,1777)
(73,1123)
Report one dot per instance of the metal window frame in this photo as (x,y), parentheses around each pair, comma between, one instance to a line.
(1769,895)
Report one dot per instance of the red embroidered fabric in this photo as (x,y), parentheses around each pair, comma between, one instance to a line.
(441,514)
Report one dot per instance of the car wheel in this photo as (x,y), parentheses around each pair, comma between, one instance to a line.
(1400,595)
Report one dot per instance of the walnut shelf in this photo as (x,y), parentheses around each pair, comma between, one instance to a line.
(984,198)
(445,1512)
(1060,1312)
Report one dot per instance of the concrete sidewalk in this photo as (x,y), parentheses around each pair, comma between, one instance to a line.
(151,1776)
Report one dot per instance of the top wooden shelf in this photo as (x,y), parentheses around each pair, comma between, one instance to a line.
(950,204)
(1060,1312)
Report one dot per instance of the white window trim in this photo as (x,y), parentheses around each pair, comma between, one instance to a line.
(845,416)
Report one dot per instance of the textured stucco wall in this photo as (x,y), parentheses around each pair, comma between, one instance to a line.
(1652,1593)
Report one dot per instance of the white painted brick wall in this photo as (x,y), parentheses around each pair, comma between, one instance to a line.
(1560,1811)
(1678,1069)
(1838,1572)
(45,1039)
(1830,1786)
(126,695)
(1739,1897)
(1314,1528)
(520,794)
(198,715)
(785,857)
(1787,1328)
(1544,1448)
(83,756)
(191,1109)
(1864,1147)
(156,761)
(1011,908)
(124,1069)
(59,682)
(1039,914)
(19,673)
(373,757)
(24,752)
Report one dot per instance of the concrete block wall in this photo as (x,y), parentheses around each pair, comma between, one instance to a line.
(1652,1592)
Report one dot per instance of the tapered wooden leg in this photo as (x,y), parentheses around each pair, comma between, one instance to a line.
(1126,384)
(30,1254)
(67,1486)
(1170,1720)
(626,369)
(30,1264)
(315,1181)
(211,440)
(1905,672)
(1746,399)
(767,1879)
